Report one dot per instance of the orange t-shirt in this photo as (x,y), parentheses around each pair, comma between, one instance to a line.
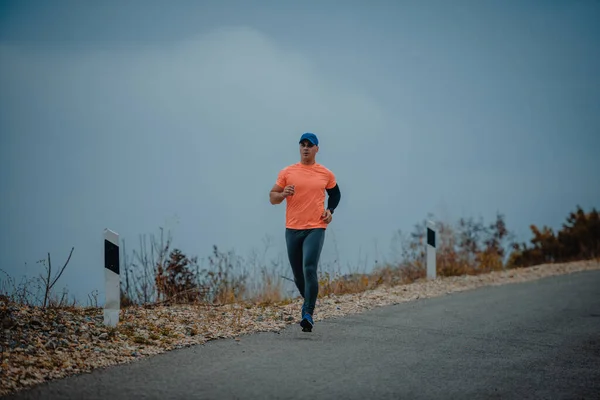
(305,207)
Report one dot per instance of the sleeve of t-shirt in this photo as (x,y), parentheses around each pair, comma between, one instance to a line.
(281,178)
(331,182)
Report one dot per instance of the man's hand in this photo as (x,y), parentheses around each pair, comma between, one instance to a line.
(288,191)
(326,216)
(278,194)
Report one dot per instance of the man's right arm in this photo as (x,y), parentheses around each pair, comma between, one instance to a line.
(276,195)
(278,191)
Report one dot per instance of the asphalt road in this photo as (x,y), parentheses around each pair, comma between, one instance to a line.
(531,340)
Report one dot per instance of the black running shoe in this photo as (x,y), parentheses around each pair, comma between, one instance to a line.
(307,323)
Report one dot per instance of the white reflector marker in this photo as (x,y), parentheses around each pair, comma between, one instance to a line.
(431,233)
(112,303)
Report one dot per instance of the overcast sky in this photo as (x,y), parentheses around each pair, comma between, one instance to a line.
(136,115)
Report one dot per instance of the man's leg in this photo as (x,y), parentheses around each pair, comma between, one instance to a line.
(312,252)
(294,240)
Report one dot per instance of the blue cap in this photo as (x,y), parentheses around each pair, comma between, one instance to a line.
(311,137)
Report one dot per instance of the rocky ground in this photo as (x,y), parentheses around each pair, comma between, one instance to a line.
(41,345)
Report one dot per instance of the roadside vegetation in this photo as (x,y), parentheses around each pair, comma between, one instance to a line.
(157,273)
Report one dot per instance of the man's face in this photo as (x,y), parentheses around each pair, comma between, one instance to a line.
(308,150)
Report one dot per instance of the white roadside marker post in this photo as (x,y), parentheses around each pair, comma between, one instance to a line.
(112,278)
(431,243)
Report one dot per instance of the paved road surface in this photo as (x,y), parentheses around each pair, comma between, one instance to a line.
(532,340)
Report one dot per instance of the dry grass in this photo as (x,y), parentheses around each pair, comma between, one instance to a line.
(388,275)
(271,291)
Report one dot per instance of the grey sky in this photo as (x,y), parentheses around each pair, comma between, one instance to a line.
(139,115)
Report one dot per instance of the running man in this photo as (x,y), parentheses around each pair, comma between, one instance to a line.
(303,186)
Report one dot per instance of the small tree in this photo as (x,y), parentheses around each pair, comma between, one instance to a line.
(174,280)
(495,243)
(579,239)
(48,282)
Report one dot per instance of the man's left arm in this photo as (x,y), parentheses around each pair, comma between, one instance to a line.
(334,197)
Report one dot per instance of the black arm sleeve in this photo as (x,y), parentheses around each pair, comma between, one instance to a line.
(334,198)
